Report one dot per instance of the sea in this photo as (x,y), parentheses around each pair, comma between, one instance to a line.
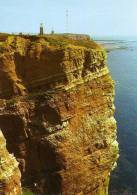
(122,62)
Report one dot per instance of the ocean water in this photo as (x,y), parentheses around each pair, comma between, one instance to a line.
(123,68)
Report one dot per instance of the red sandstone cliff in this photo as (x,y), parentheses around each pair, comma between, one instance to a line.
(56,112)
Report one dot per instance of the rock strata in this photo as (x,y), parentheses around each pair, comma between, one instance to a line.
(56,112)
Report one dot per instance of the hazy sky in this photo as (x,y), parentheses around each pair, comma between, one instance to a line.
(95,17)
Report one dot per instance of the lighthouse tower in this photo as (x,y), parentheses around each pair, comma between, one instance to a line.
(41,29)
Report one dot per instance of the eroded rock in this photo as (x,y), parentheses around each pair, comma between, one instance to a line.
(10,177)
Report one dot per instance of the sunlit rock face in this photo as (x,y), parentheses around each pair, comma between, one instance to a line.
(57,113)
(9,172)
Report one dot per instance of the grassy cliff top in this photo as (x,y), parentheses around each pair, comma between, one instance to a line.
(57,40)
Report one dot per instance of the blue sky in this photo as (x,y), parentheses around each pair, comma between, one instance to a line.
(94,17)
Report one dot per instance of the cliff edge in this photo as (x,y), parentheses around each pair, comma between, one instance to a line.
(57,113)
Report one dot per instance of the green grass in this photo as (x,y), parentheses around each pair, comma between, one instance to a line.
(63,40)
(27,192)
(58,40)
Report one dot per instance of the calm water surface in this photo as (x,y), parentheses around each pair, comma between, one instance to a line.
(123,68)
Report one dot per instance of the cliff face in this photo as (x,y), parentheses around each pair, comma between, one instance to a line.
(56,112)
(9,172)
